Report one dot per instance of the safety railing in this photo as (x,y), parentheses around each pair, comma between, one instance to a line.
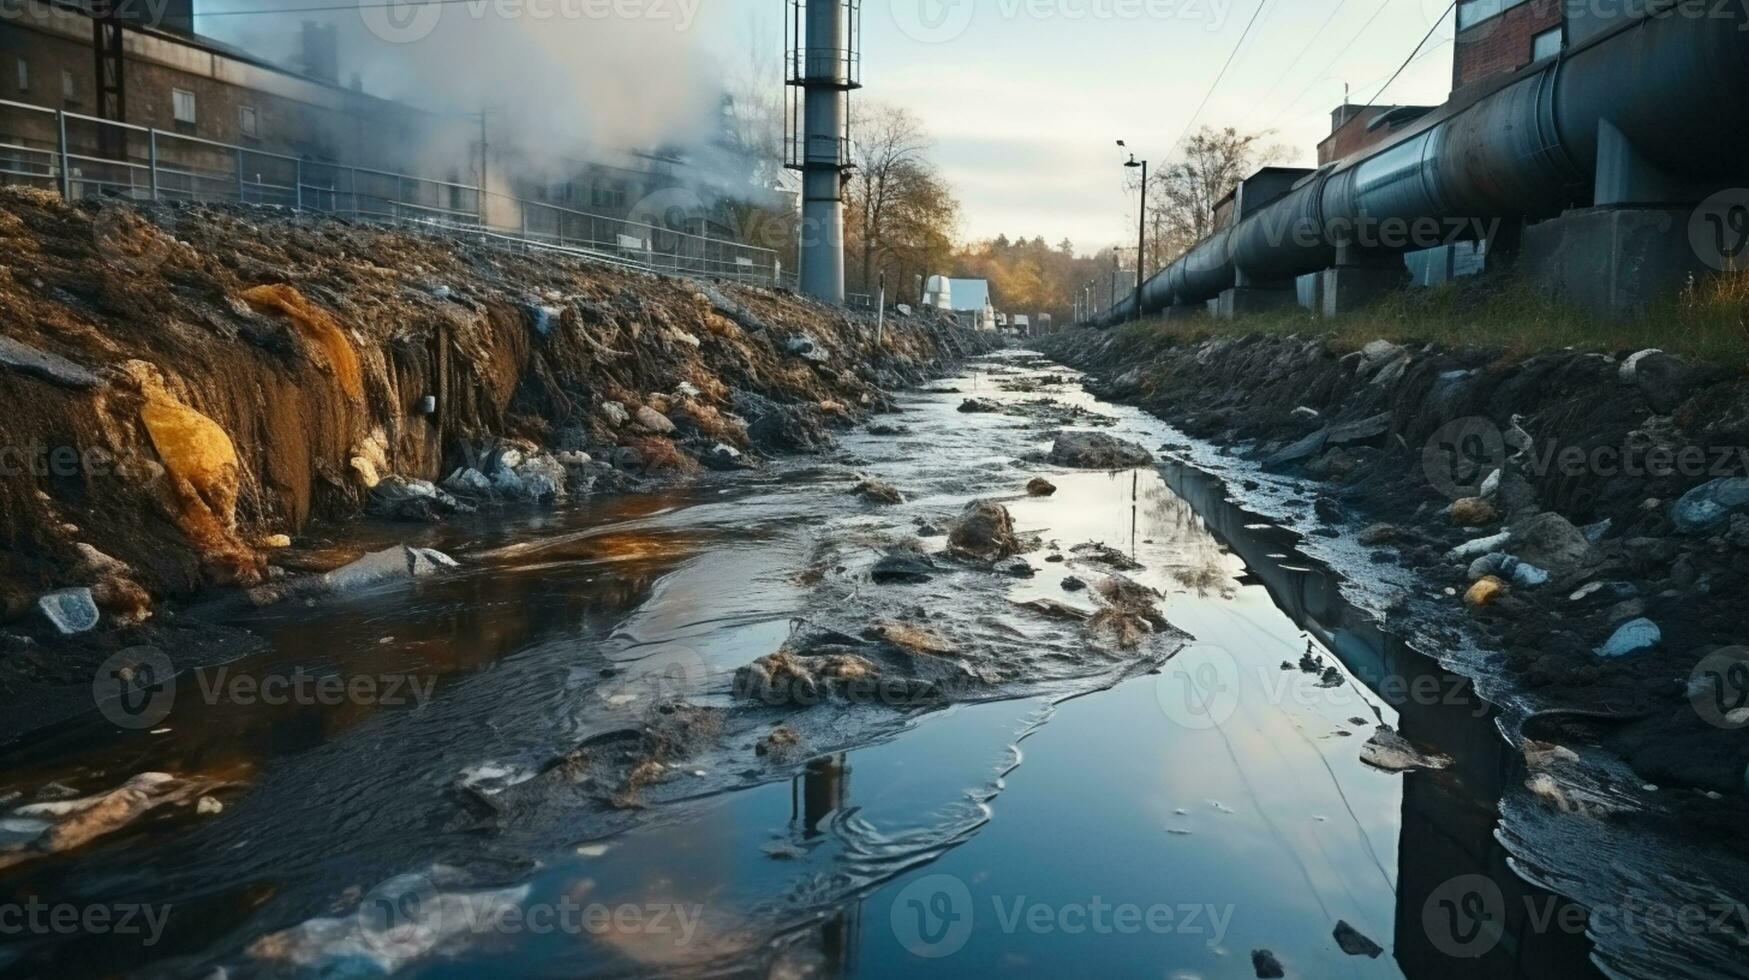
(87,158)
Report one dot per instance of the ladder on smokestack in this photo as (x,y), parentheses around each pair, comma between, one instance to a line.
(822,66)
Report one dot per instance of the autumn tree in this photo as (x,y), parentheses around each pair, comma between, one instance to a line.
(899,212)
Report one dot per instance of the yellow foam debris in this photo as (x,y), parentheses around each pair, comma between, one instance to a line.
(204,474)
(1484,592)
(315,325)
(195,450)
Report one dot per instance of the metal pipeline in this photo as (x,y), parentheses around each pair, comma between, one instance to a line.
(1673,85)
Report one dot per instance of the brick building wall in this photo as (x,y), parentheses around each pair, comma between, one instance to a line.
(1503,43)
(1350,134)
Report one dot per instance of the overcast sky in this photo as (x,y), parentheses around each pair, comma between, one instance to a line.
(1026,99)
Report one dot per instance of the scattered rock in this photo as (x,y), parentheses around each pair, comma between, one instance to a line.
(1074,584)
(652,421)
(1473,512)
(1097,451)
(1052,609)
(1015,567)
(468,481)
(724,457)
(902,566)
(207,806)
(1549,541)
(878,492)
(807,348)
(984,531)
(979,406)
(1377,534)
(1038,486)
(50,367)
(615,414)
(1266,965)
(397,498)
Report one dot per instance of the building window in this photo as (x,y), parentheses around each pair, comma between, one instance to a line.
(1473,12)
(1546,45)
(248,121)
(69,86)
(182,105)
(23,75)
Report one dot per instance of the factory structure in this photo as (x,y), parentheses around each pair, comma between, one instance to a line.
(1591,152)
(111,98)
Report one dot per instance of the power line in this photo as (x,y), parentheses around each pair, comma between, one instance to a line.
(1407,61)
(1231,57)
(1332,63)
(1304,50)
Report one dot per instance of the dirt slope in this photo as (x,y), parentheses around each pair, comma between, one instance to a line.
(182,385)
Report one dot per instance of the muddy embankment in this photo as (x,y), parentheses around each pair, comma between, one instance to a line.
(193,395)
(1583,518)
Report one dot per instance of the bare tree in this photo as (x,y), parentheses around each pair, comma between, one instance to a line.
(894,187)
(1182,200)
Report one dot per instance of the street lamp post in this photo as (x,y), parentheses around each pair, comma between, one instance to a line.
(1141,227)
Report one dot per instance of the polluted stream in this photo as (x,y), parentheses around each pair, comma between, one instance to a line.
(1167,746)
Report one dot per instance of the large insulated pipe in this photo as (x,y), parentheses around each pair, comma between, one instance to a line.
(1671,87)
(825,90)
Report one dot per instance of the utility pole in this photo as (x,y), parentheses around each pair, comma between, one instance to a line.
(1141,234)
(881,311)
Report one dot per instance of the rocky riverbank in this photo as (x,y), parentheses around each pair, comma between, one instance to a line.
(196,396)
(1585,515)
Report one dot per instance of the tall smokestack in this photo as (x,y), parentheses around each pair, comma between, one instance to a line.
(824,67)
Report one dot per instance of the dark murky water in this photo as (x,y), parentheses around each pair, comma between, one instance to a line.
(1165,822)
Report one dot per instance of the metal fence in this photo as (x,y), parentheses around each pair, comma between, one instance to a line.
(87,158)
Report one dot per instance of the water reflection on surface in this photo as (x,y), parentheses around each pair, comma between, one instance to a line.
(1249,818)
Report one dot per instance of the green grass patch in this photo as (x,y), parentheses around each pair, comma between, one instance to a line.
(1708,321)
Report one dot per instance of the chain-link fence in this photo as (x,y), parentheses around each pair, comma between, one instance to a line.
(87,158)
